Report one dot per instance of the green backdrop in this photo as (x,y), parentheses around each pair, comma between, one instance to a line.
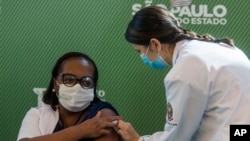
(34,33)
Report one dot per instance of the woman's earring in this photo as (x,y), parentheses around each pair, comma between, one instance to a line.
(53,90)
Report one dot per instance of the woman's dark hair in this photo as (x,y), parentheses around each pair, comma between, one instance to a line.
(49,95)
(156,22)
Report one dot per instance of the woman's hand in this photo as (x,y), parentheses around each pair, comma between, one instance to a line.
(97,126)
(126,130)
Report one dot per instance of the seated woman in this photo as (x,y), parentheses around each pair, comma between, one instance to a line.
(71,110)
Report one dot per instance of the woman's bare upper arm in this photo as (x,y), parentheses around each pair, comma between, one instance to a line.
(113,136)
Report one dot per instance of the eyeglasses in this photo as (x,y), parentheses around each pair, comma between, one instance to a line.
(70,80)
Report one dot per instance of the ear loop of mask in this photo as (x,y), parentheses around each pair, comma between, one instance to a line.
(55,90)
(147,49)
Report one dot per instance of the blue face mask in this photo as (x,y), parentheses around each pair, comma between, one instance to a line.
(159,63)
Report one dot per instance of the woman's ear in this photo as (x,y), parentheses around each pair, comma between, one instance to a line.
(55,85)
(155,44)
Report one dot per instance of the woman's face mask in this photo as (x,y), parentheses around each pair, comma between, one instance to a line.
(159,63)
(75,98)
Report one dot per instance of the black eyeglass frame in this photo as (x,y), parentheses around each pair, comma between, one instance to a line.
(80,81)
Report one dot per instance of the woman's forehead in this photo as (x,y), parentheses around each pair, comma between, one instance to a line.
(77,65)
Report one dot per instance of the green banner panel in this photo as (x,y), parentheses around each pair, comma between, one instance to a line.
(34,33)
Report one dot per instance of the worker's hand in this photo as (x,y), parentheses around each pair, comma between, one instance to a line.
(127,132)
(98,126)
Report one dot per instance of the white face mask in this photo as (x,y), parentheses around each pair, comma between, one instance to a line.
(75,98)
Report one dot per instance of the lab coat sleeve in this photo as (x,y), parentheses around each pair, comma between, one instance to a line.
(188,103)
(30,125)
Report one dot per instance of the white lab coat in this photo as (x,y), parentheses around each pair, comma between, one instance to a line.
(38,121)
(207,89)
